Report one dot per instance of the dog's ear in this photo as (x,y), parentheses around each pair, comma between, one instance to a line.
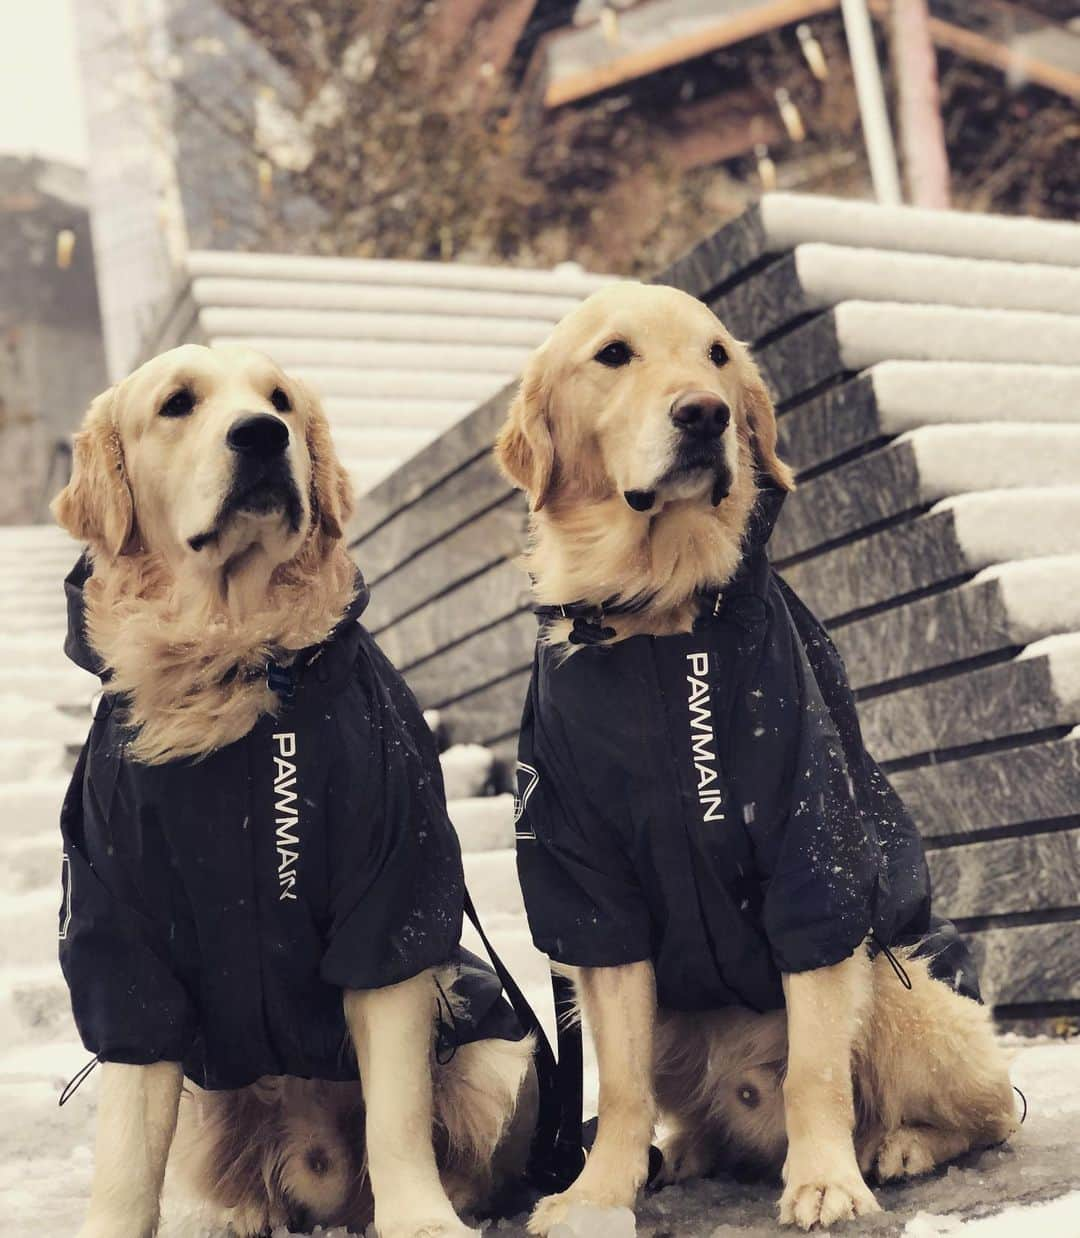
(331,487)
(761,420)
(97,506)
(524,448)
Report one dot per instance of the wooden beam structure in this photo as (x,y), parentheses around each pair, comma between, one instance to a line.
(711,37)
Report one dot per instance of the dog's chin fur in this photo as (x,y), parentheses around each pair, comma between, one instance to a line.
(189,670)
(596,548)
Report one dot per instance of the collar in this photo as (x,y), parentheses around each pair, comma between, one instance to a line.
(588,618)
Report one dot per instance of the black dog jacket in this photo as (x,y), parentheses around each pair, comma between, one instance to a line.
(705,801)
(214,910)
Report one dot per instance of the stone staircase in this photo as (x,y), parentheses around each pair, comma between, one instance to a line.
(399,351)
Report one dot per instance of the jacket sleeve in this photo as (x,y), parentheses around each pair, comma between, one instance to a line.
(396,881)
(584,903)
(819,857)
(129,1005)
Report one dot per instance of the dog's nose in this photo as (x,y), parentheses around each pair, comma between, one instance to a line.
(258,434)
(700,413)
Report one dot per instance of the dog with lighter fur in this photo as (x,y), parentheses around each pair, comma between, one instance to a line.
(638,433)
(214,506)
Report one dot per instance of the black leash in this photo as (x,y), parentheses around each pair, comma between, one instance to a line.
(557,1156)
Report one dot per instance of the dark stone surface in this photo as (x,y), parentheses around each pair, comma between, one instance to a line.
(488,714)
(963,623)
(1039,872)
(496,535)
(1028,963)
(1014,698)
(454,500)
(496,651)
(462,442)
(803,359)
(1036,782)
(720,258)
(839,421)
(910,556)
(492,596)
(846,500)
(765,301)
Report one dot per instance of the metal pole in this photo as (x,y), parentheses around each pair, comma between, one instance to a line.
(875,116)
(922,133)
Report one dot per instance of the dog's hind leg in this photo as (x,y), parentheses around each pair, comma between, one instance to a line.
(932,1074)
(825,1007)
(620,1005)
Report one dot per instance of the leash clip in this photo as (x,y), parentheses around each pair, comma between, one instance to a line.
(280,679)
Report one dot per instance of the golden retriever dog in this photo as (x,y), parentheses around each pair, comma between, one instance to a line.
(641,434)
(213,505)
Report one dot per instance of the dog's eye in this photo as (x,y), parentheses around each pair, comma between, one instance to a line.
(280,400)
(179,404)
(718,355)
(615,354)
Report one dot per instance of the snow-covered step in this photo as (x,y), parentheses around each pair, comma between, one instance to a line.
(790,219)
(1003,607)
(816,276)
(32,759)
(223,324)
(381,299)
(68,685)
(414,383)
(388,440)
(467,770)
(29,923)
(362,355)
(484,823)
(493,881)
(29,863)
(366,473)
(30,808)
(957,538)
(895,396)
(567,279)
(346,413)
(34,1005)
(922,467)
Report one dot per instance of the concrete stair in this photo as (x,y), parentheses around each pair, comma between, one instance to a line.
(398,351)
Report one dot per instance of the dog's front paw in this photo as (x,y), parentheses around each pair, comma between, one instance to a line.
(822,1195)
(904,1153)
(685,1157)
(572,1213)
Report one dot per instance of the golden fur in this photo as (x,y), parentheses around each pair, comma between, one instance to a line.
(857,1074)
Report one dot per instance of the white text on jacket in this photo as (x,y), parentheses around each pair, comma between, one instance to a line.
(287,814)
(702,741)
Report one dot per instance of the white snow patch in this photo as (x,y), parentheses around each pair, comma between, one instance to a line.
(790,219)
(589,1221)
(467,770)
(832,273)
(1058,1217)
(1041,597)
(1063,655)
(995,526)
(914,393)
(994,456)
(888,331)
(484,823)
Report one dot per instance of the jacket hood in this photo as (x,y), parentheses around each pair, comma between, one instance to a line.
(77,644)
(770,501)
